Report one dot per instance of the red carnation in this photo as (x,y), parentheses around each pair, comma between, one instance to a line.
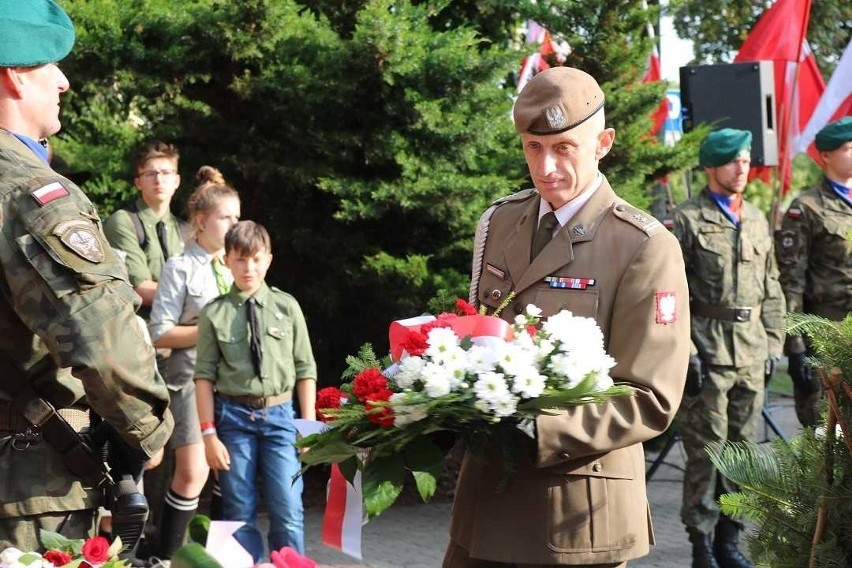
(57,557)
(368,382)
(531,329)
(96,549)
(444,320)
(464,308)
(415,343)
(380,414)
(329,397)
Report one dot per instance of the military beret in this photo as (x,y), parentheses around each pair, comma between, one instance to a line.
(722,146)
(33,33)
(834,135)
(557,100)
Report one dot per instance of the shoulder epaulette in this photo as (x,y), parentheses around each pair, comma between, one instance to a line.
(517,196)
(643,221)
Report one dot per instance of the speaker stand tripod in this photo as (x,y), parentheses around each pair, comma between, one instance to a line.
(768,420)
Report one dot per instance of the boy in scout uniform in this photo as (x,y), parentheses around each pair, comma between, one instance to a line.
(814,248)
(577,497)
(70,343)
(253,351)
(737,311)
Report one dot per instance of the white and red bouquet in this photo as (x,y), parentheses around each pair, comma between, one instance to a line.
(465,372)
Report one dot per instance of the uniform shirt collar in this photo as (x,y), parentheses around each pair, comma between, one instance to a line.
(34,145)
(567,211)
(260,296)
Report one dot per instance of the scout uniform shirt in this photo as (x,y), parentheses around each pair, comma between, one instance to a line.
(814,249)
(224,353)
(143,264)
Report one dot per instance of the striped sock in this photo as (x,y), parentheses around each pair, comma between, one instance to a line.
(177,513)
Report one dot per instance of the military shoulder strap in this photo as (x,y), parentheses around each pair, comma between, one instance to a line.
(77,455)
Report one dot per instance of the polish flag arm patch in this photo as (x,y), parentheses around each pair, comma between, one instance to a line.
(50,192)
(666,307)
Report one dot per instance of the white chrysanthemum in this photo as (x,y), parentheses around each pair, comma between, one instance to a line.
(603,381)
(436,379)
(523,340)
(409,372)
(529,384)
(533,310)
(544,348)
(520,319)
(560,326)
(586,338)
(481,359)
(404,412)
(504,405)
(442,342)
(572,368)
(490,386)
(516,359)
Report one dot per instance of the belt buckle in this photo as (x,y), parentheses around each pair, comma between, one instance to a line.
(742,314)
(257,402)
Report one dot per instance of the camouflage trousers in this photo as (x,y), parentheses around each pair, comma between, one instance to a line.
(728,408)
(23,532)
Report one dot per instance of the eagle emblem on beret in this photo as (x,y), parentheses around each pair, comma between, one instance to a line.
(555,117)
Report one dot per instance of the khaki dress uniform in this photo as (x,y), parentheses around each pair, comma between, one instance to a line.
(737,312)
(578,496)
(68,330)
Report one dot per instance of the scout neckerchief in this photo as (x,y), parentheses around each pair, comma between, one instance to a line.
(841,190)
(731,206)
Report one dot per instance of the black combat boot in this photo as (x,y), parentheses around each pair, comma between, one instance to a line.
(725,545)
(702,549)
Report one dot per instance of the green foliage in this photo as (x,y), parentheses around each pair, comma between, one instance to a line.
(782,487)
(367,135)
(719,29)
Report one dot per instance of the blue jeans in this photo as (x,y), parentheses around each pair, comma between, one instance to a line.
(261,442)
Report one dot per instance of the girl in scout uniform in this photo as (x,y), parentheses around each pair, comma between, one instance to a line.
(188,282)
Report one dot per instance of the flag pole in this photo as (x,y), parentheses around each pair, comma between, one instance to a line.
(785,162)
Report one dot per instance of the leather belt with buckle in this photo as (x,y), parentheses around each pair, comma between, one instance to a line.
(257,402)
(728,313)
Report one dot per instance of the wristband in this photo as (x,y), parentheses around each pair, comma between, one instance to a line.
(206,425)
(211,431)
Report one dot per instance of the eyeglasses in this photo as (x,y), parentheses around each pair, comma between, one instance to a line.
(152,174)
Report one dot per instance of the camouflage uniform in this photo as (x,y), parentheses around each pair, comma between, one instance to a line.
(727,268)
(814,249)
(69,331)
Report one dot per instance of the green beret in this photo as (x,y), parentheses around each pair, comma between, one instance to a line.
(557,100)
(722,146)
(33,33)
(834,135)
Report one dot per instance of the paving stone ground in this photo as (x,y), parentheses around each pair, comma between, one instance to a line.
(414,536)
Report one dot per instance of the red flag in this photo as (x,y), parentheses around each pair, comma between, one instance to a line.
(780,36)
(652,74)
(538,61)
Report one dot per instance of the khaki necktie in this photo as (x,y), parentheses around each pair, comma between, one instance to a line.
(544,233)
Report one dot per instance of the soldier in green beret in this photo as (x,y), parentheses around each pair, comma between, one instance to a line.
(737,316)
(70,342)
(814,248)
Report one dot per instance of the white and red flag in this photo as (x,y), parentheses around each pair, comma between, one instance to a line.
(780,35)
(836,102)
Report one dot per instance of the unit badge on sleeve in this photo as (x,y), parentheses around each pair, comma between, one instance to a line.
(79,236)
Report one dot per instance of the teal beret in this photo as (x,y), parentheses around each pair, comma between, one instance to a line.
(33,33)
(834,135)
(722,146)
